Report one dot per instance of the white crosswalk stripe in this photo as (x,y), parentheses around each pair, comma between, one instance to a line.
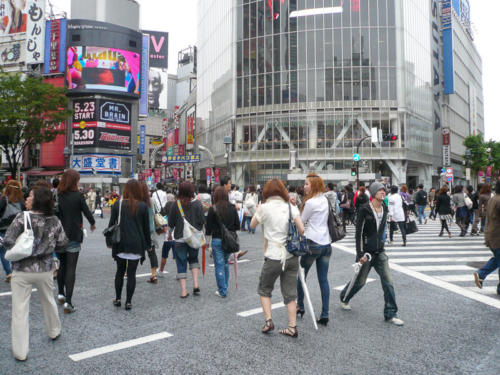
(441,261)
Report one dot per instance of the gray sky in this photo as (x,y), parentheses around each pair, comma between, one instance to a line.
(178,17)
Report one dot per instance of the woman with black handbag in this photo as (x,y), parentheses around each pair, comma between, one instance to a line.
(443,210)
(315,218)
(221,213)
(132,216)
(274,216)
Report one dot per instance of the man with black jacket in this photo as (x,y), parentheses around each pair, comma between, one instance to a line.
(370,227)
(421,202)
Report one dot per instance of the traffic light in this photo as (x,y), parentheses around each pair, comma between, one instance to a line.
(353,172)
(390,137)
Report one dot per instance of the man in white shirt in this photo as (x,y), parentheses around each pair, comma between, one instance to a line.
(159,197)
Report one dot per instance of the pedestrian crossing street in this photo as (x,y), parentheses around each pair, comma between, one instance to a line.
(441,261)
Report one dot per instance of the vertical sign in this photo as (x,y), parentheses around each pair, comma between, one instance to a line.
(190,130)
(35,32)
(208,172)
(436,63)
(143,139)
(143,101)
(157,175)
(472,109)
(446,25)
(217,175)
(170,143)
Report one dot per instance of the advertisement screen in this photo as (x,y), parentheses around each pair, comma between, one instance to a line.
(13,17)
(103,69)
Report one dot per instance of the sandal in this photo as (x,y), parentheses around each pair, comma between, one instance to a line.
(153,280)
(268,327)
(186,296)
(8,278)
(289,331)
(196,291)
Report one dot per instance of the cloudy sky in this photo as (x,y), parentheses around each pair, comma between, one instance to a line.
(179,19)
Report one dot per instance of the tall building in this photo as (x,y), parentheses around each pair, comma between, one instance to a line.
(298,85)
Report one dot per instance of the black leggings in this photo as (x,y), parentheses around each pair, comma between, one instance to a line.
(67,274)
(131,269)
(153,259)
(444,225)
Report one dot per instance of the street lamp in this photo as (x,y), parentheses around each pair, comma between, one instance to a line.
(67,154)
(227,141)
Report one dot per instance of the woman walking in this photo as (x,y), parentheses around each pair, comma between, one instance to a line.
(462,212)
(396,214)
(226,212)
(35,270)
(168,242)
(274,216)
(11,203)
(153,259)
(192,210)
(484,198)
(347,206)
(71,205)
(135,239)
(443,210)
(315,218)
(249,207)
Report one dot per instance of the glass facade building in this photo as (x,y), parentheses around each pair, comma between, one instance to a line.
(298,92)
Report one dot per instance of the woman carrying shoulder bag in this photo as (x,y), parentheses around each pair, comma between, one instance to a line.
(225,211)
(153,259)
(35,270)
(184,254)
(135,239)
(274,215)
(249,207)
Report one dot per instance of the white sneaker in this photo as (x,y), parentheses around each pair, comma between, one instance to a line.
(396,321)
(218,294)
(61,299)
(161,274)
(345,306)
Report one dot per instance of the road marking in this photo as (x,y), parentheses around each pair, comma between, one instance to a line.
(122,345)
(441,268)
(440,260)
(443,242)
(408,253)
(493,302)
(456,247)
(248,313)
(484,290)
(240,261)
(368,280)
(467,277)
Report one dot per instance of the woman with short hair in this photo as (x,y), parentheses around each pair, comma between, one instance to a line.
(184,254)
(274,215)
(71,205)
(35,270)
(443,210)
(135,238)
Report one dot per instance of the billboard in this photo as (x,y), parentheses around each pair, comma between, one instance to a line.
(35,33)
(158,49)
(55,47)
(97,163)
(13,17)
(157,89)
(102,123)
(12,52)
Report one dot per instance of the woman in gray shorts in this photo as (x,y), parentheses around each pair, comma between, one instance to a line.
(273,215)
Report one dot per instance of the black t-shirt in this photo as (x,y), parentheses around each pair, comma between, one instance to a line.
(421,198)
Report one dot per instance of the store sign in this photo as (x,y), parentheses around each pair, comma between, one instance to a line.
(96,163)
(143,139)
(12,52)
(143,101)
(436,63)
(447,39)
(184,159)
(446,136)
(113,111)
(158,49)
(208,173)
(446,156)
(54,31)
(35,33)
(217,175)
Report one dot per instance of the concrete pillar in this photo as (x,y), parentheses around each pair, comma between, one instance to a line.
(398,169)
(238,136)
(313,134)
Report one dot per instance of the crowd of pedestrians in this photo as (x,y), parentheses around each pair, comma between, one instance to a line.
(193,218)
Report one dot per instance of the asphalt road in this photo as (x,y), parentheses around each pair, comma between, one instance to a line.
(446,331)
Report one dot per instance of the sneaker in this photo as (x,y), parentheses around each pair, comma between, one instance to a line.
(396,321)
(218,294)
(68,309)
(345,306)
(161,273)
(478,281)
(61,299)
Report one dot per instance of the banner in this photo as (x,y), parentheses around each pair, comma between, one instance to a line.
(217,175)
(183,159)
(143,139)
(96,163)
(143,101)
(208,173)
(190,131)
(55,47)
(158,49)
(157,175)
(170,143)
(35,32)
(175,172)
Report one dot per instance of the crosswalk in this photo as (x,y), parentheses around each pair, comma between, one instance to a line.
(441,261)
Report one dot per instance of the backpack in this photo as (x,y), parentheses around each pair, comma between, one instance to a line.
(230,242)
(9,214)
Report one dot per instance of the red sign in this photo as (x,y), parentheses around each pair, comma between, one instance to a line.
(355,5)
(175,172)
(148,172)
(55,36)
(190,130)
(488,171)
(157,175)
(51,154)
(217,175)
(208,172)
(181,150)
(446,139)
(176,136)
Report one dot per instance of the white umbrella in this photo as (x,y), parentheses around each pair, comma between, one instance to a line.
(357,268)
(307,296)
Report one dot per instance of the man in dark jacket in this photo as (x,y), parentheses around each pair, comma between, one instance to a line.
(421,202)
(370,227)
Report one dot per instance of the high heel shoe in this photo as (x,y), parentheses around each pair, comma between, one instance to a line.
(323,321)
(300,312)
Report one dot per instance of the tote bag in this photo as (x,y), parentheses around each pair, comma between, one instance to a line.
(24,243)
(193,237)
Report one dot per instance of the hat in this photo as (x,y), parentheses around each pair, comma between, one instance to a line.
(375,187)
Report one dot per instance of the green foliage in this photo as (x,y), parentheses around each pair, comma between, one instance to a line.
(30,113)
(480,158)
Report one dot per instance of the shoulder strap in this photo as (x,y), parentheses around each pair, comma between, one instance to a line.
(290,212)
(27,220)
(120,211)
(180,208)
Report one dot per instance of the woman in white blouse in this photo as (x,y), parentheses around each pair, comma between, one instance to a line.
(396,214)
(274,215)
(315,218)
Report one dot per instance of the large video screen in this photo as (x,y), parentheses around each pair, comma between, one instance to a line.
(103,69)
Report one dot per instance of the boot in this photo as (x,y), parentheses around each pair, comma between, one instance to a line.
(441,233)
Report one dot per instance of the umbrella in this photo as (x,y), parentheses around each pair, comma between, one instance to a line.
(236,269)
(357,268)
(307,296)
(203,259)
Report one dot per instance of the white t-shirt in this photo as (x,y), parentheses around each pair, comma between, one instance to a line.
(315,219)
(274,215)
(160,199)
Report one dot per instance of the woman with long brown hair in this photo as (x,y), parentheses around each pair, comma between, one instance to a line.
(135,238)
(315,218)
(11,203)
(443,210)
(484,198)
(153,259)
(184,254)
(71,205)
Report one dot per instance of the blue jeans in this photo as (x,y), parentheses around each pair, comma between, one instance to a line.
(321,254)
(221,266)
(490,266)
(184,255)
(247,220)
(381,264)
(421,213)
(5,262)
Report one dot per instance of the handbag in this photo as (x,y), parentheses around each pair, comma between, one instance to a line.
(194,238)
(10,212)
(411,227)
(295,243)
(230,242)
(468,201)
(335,227)
(23,247)
(113,233)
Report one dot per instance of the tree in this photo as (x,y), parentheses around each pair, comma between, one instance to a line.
(30,113)
(477,147)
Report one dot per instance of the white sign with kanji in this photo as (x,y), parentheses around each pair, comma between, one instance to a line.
(96,163)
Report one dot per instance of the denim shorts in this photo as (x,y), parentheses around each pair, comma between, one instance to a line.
(271,270)
(185,255)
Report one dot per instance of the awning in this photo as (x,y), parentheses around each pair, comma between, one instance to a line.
(44,173)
